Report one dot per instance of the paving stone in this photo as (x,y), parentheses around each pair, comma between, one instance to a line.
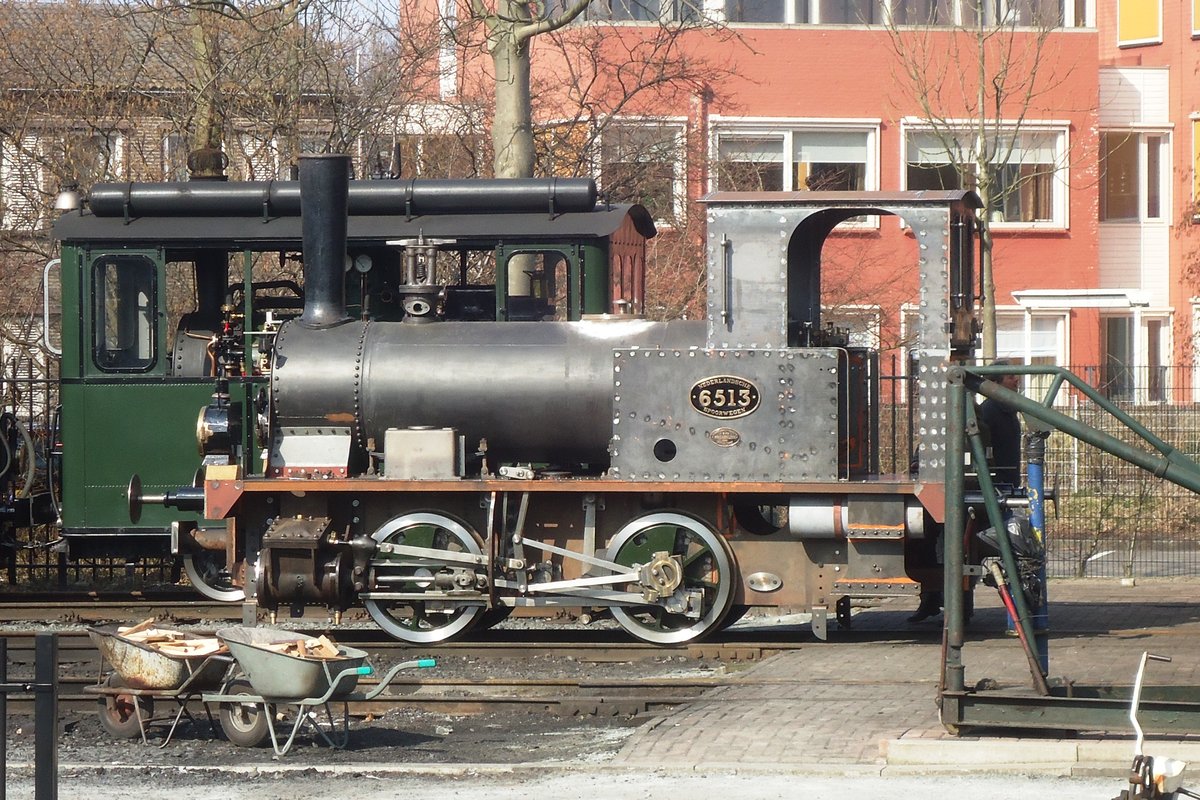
(869,700)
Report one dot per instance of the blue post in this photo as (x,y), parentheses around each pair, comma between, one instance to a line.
(1035,482)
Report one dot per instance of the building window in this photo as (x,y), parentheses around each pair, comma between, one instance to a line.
(1033,338)
(923,12)
(861,324)
(849,12)
(787,11)
(1027,187)
(644,10)
(947,13)
(1021,13)
(256,157)
(796,160)
(84,157)
(1139,22)
(1133,175)
(1196,164)
(641,163)
(1135,357)
(22,179)
(175,151)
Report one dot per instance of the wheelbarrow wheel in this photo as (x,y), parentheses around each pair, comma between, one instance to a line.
(245,724)
(118,712)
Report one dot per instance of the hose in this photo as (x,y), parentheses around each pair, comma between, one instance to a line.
(30,459)
(7,454)
(9,423)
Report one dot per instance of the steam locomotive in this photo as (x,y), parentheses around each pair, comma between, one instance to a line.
(461,410)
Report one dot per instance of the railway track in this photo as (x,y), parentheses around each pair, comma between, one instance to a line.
(482,676)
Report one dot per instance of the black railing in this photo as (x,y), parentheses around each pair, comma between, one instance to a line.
(44,688)
(1113,519)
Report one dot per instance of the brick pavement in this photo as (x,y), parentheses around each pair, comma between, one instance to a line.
(868,702)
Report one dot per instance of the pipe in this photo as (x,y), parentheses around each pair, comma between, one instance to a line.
(324,185)
(1024,619)
(413,197)
(953,677)
(1035,483)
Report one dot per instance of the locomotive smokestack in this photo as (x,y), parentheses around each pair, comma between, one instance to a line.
(324,192)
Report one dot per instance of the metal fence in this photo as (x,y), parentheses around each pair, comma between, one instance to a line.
(33,558)
(1114,519)
(1111,519)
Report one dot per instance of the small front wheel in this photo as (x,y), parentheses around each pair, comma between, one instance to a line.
(119,712)
(245,723)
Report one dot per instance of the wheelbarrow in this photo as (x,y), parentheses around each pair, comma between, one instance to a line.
(142,673)
(267,680)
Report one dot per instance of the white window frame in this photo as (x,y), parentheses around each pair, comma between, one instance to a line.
(1139,317)
(678,162)
(785,128)
(1025,355)
(1165,169)
(1060,182)
(871,314)
(715,10)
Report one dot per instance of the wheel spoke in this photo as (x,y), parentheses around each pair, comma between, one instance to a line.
(707,567)
(410,621)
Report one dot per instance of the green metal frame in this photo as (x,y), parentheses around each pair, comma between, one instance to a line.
(1175,710)
(117,423)
(587,275)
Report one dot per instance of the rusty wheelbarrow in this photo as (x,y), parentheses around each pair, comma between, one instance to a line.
(268,680)
(143,671)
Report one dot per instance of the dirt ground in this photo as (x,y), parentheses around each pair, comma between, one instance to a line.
(406,735)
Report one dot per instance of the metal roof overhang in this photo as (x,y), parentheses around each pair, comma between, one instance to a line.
(259,233)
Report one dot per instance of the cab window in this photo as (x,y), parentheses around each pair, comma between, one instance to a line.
(124,313)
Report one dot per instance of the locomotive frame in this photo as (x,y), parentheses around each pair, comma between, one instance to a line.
(648,476)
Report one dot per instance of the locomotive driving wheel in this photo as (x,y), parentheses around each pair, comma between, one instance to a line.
(707,574)
(207,573)
(418,621)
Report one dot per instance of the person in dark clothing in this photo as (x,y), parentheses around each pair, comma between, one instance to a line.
(1004,430)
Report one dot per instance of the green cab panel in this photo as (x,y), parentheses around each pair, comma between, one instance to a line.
(115,427)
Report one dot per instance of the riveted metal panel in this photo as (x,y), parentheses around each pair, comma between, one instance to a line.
(931,229)
(747,275)
(660,431)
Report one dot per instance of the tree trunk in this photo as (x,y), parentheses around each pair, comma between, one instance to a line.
(512,132)
(512,127)
(206,161)
(986,277)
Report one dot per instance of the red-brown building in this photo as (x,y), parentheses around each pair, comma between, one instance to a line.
(1095,262)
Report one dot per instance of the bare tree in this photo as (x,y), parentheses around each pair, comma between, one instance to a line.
(979,77)
(600,69)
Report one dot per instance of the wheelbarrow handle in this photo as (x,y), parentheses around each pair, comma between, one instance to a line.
(421,663)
